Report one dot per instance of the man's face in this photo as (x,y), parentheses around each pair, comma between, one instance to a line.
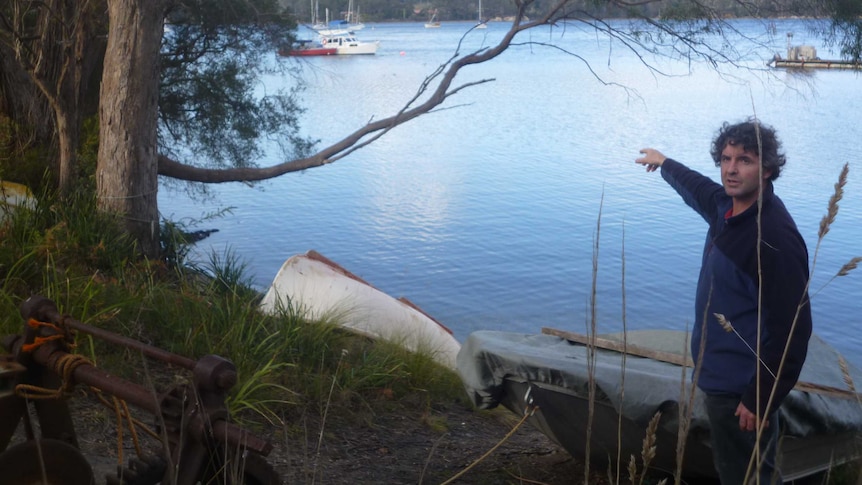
(740,175)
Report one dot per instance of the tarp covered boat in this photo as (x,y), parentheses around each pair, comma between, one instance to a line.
(821,418)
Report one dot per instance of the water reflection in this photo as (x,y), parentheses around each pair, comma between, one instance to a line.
(407,202)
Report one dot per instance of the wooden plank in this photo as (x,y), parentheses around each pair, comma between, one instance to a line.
(617,346)
(817,64)
(827,390)
(677,359)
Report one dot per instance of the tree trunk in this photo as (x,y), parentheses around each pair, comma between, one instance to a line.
(127,169)
(68,88)
(53,49)
(21,103)
(68,132)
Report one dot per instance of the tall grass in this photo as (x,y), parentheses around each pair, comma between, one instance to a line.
(592,327)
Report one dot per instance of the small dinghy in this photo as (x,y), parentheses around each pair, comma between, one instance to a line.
(320,288)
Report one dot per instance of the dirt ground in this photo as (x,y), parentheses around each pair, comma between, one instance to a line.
(400,448)
(399,443)
(407,446)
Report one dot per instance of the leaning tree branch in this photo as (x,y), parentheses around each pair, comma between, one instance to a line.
(372,130)
(663,40)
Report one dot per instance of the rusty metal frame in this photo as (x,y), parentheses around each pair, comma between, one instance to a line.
(199,440)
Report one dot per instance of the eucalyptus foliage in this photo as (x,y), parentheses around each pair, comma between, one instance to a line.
(214,56)
(846,28)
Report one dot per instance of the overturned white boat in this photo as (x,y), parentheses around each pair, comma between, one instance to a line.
(14,196)
(320,288)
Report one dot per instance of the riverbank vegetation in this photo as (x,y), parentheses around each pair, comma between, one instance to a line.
(338,408)
(81,259)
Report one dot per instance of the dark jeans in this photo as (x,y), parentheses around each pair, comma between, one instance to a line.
(732,447)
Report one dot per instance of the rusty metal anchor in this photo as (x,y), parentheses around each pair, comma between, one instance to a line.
(200,444)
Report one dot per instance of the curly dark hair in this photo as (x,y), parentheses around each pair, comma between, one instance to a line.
(755,137)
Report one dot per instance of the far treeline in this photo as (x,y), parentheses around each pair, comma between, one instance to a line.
(455,10)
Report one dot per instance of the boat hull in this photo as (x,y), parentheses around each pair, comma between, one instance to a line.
(358,50)
(821,419)
(347,44)
(309,52)
(562,416)
(14,196)
(320,288)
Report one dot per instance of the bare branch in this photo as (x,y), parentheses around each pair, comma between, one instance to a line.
(372,130)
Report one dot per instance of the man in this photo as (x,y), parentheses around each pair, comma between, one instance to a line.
(751,294)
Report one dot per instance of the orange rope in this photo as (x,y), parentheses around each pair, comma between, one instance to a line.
(121,411)
(62,333)
(33,323)
(66,365)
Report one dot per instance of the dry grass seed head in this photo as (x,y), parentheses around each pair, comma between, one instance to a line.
(832,210)
(725,324)
(850,266)
(648,448)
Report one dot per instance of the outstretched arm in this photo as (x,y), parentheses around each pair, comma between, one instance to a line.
(652,159)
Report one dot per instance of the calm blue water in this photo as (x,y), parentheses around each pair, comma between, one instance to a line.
(486,214)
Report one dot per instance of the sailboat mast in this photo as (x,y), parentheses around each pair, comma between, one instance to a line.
(481,23)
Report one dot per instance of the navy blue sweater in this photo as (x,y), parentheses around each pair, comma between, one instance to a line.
(730,284)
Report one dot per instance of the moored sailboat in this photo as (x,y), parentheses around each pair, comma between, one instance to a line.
(433,23)
(482,24)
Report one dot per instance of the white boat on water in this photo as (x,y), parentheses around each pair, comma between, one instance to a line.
(316,23)
(351,22)
(346,43)
(433,23)
(482,24)
(331,27)
(321,288)
(340,34)
(354,23)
